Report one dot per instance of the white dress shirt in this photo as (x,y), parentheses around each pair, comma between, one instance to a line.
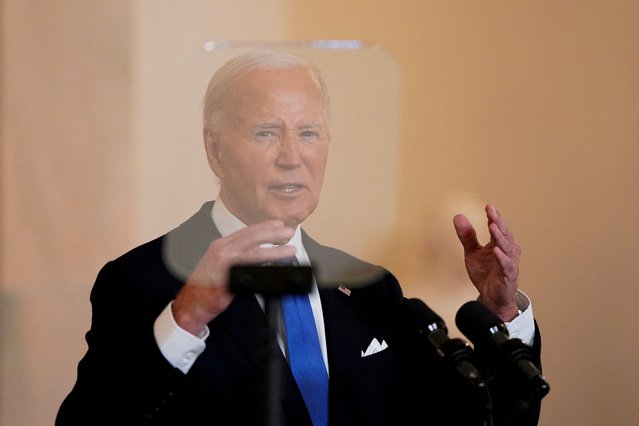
(182,348)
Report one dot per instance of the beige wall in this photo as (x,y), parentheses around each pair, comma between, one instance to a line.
(531,105)
(66,171)
(535,107)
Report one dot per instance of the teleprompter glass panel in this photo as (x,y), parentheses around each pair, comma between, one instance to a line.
(358,201)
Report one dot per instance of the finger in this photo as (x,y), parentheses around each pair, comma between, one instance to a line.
(505,242)
(271,254)
(251,238)
(494,216)
(508,264)
(466,233)
(263,242)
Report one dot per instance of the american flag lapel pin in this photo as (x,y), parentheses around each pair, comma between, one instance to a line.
(344,290)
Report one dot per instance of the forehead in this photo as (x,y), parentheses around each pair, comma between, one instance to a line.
(293,85)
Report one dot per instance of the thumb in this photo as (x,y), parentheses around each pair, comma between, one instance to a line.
(465,232)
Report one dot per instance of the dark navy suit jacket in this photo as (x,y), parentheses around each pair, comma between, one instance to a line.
(124,379)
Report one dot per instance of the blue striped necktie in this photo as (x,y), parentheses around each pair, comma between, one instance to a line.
(305,356)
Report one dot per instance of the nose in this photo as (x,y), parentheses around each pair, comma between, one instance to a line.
(288,151)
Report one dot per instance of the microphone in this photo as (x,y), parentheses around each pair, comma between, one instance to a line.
(455,351)
(511,358)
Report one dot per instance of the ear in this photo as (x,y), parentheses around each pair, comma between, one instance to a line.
(213,151)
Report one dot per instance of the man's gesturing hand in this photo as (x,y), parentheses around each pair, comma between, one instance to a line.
(493,268)
(205,294)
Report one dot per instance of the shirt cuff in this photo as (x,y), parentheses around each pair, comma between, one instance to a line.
(178,346)
(523,326)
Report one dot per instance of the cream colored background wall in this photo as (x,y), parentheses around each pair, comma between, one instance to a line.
(66,172)
(531,105)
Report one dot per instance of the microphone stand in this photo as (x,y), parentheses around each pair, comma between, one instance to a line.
(478,396)
(272,281)
(272,361)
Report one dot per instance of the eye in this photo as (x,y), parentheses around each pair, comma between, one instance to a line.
(266,134)
(310,134)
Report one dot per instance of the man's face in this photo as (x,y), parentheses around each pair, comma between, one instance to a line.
(271,147)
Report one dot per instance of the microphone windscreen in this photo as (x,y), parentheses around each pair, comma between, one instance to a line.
(420,316)
(418,313)
(477,321)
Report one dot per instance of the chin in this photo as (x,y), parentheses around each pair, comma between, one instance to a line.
(292,214)
(292,219)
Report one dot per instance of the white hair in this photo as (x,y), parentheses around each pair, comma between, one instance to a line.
(253,60)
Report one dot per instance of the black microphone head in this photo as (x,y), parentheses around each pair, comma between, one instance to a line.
(511,360)
(476,321)
(419,314)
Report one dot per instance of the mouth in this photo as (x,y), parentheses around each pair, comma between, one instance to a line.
(288,188)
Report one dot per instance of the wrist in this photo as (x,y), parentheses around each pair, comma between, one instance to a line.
(186,316)
(506,313)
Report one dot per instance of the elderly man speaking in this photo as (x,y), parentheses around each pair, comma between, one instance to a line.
(171,344)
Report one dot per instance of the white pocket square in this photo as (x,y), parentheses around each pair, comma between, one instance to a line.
(374,347)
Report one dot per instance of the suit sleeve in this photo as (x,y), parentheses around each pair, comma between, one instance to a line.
(123,377)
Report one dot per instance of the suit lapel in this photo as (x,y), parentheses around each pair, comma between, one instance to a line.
(185,245)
